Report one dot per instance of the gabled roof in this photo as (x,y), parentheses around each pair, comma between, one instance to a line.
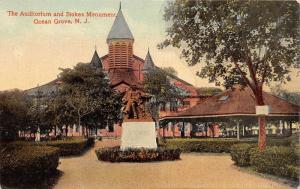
(149,64)
(96,61)
(46,89)
(118,76)
(238,101)
(119,29)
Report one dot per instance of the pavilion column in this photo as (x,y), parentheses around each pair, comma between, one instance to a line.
(243,130)
(291,128)
(238,130)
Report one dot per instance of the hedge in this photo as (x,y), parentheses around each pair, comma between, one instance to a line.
(71,147)
(137,155)
(240,154)
(214,145)
(276,160)
(27,163)
(66,147)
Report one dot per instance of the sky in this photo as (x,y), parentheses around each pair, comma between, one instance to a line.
(31,54)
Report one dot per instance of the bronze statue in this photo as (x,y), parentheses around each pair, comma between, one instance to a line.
(134,103)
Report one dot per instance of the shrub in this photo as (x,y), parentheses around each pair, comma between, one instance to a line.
(274,160)
(240,154)
(90,142)
(215,145)
(204,145)
(25,163)
(70,147)
(137,155)
(66,147)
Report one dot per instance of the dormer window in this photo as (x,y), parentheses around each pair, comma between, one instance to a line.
(223,98)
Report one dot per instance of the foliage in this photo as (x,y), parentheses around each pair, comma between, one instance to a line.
(26,163)
(275,160)
(13,113)
(85,98)
(215,145)
(71,147)
(170,70)
(208,91)
(293,97)
(258,36)
(237,42)
(137,155)
(158,84)
(209,145)
(240,154)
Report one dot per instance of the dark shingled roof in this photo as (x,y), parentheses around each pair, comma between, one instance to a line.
(120,29)
(96,61)
(149,64)
(238,102)
(45,90)
(118,76)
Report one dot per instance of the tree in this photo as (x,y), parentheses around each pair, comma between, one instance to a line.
(251,43)
(13,111)
(158,84)
(208,91)
(87,97)
(293,97)
(170,70)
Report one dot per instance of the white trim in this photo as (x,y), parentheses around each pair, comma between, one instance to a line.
(226,115)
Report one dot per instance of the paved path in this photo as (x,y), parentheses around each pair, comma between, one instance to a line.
(193,171)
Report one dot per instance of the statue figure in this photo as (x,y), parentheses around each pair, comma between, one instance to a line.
(134,103)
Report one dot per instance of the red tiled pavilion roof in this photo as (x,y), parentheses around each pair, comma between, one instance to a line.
(237,102)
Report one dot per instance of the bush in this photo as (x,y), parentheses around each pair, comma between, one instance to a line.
(70,147)
(66,147)
(275,160)
(25,163)
(204,145)
(240,154)
(137,155)
(215,145)
(90,142)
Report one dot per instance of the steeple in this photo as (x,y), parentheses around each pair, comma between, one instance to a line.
(120,44)
(119,29)
(149,64)
(96,61)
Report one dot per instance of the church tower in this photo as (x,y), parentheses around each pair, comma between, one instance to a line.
(120,44)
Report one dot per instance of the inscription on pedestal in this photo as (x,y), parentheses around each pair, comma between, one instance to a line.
(138,135)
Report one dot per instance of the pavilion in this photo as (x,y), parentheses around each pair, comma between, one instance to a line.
(237,105)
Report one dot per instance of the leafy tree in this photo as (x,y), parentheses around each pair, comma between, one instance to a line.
(57,112)
(87,97)
(251,43)
(158,84)
(293,97)
(170,70)
(209,91)
(13,111)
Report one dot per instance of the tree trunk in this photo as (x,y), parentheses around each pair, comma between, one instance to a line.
(55,130)
(182,130)
(291,128)
(173,129)
(66,130)
(261,119)
(262,132)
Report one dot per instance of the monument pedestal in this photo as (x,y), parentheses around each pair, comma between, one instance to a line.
(138,135)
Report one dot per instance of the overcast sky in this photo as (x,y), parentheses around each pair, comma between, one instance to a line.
(31,54)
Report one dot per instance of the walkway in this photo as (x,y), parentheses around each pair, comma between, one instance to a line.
(193,171)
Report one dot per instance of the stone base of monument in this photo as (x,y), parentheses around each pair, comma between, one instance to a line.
(136,135)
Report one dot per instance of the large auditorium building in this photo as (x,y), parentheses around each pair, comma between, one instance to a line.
(124,69)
